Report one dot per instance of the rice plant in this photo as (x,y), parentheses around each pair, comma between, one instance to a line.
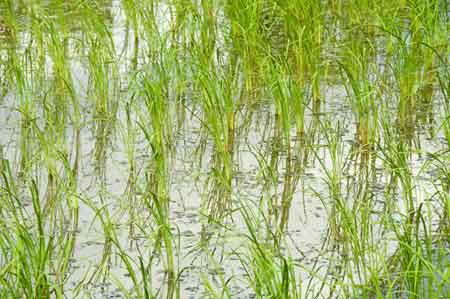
(224,149)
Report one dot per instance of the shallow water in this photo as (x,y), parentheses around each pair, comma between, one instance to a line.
(104,181)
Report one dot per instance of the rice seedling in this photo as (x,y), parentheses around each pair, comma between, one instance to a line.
(270,274)
(219,107)
(224,149)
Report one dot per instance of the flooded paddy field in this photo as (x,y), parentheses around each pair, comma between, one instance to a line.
(224,149)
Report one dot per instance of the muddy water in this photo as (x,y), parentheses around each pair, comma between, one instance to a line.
(307,221)
(189,170)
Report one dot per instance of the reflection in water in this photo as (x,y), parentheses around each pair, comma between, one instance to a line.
(305,139)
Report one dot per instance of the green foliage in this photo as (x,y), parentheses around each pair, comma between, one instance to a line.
(245,118)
